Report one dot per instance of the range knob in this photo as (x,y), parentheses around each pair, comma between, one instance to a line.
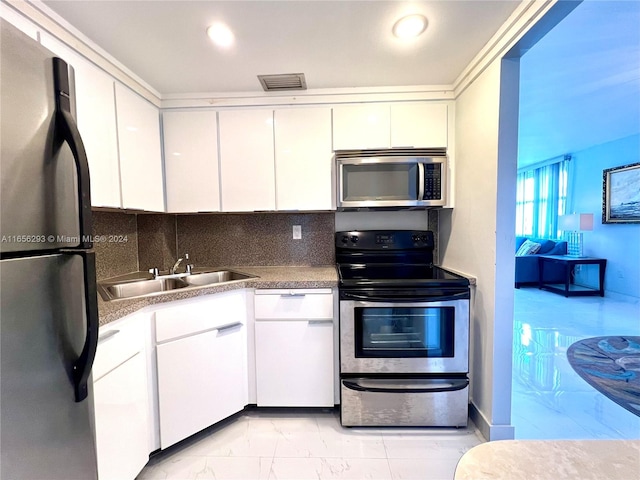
(354,238)
(415,238)
(424,238)
(345,239)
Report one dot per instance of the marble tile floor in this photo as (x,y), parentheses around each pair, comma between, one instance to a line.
(310,444)
(549,399)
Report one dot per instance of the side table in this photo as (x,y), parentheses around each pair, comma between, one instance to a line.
(569,263)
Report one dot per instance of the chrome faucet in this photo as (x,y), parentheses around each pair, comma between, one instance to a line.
(188,266)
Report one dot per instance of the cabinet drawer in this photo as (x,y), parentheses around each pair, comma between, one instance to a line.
(117,344)
(192,317)
(294,304)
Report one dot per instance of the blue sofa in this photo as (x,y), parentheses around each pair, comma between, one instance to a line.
(527,265)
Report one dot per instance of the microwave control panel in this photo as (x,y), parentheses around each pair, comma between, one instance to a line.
(432,181)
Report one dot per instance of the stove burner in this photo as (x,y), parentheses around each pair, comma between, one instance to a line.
(382,258)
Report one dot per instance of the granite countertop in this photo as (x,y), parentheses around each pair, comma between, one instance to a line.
(266,277)
(551,460)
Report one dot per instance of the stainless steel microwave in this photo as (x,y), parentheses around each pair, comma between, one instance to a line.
(391,179)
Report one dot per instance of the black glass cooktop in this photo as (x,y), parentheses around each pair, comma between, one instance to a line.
(398,274)
(391,258)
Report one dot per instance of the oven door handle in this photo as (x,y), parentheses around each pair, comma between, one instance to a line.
(403,298)
(453,385)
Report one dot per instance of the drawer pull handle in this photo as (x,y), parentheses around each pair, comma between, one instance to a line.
(293,294)
(452,386)
(107,335)
(320,322)
(224,328)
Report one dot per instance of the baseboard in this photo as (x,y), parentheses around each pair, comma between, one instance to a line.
(490,432)
(621,297)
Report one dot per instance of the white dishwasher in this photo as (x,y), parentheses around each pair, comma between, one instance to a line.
(294,348)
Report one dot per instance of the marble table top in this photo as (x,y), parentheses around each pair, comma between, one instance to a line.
(552,460)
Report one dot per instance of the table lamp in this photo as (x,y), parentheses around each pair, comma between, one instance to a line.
(573,225)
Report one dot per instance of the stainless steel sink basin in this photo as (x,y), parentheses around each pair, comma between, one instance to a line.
(208,278)
(139,288)
(131,286)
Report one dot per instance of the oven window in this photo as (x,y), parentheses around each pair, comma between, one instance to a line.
(402,332)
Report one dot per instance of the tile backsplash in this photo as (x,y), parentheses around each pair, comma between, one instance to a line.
(140,242)
(257,239)
(118,253)
(157,241)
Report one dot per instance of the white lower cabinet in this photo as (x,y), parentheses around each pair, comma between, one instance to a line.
(121,399)
(202,364)
(294,348)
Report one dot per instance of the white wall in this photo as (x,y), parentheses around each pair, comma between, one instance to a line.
(485,204)
(618,243)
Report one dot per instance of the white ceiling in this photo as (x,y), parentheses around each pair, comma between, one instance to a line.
(580,84)
(335,44)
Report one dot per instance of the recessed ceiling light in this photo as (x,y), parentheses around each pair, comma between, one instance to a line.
(221,35)
(410,26)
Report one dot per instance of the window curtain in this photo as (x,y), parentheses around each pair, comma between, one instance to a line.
(541,197)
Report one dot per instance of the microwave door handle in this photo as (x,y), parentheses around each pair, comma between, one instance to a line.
(420,181)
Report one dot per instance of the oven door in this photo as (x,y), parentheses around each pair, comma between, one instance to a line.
(404,337)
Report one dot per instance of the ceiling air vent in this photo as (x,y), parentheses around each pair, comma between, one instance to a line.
(283,81)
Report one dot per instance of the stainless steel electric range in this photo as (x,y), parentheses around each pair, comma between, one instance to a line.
(404,332)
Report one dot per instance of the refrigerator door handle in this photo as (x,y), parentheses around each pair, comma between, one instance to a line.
(66,127)
(82,366)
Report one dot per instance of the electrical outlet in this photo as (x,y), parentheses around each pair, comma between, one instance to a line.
(297,232)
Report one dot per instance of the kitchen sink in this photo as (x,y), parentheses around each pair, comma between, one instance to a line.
(207,278)
(131,286)
(139,288)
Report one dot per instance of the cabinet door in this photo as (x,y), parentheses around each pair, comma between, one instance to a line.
(186,391)
(96,117)
(247,166)
(230,373)
(361,126)
(201,380)
(140,157)
(294,363)
(122,420)
(419,125)
(191,161)
(303,159)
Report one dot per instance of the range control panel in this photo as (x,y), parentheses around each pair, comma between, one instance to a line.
(384,239)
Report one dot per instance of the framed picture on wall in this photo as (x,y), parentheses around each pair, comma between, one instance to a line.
(621,194)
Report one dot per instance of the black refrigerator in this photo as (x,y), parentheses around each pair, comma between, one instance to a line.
(48,304)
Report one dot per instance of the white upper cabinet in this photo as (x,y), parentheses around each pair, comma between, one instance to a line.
(191,161)
(96,117)
(362,126)
(419,125)
(140,156)
(247,160)
(390,125)
(303,159)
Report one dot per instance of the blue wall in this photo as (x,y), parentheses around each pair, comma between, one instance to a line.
(618,243)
